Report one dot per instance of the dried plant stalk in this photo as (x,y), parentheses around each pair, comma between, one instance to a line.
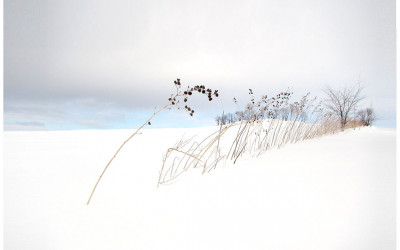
(119,149)
(171,101)
(286,123)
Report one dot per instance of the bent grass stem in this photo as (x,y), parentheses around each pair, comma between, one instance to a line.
(119,149)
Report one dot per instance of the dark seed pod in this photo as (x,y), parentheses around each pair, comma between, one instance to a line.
(190,93)
(149,123)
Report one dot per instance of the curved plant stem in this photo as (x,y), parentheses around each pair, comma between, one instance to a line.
(130,137)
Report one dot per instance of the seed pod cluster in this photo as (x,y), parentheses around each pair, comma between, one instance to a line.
(173,100)
(205,91)
(188,92)
(177,82)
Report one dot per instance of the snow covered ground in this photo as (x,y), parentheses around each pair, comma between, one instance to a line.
(334,192)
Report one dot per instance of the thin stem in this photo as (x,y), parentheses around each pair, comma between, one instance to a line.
(116,153)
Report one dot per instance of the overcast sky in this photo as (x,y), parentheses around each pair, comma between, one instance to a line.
(90,64)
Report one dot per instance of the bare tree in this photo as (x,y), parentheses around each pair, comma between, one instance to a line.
(239,115)
(366,116)
(224,119)
(218,120)
(340,102)
(230,117)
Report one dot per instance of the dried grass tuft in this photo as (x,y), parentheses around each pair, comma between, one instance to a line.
(265,124)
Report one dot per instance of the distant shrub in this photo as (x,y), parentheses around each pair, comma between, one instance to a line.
(366,116)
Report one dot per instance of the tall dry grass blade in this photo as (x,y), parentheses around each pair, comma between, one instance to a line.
(119,149)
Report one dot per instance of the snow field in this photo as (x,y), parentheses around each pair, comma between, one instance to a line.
(333,192)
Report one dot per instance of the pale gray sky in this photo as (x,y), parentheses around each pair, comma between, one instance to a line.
(108,64)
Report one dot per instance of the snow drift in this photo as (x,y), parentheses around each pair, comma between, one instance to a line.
(333,192)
